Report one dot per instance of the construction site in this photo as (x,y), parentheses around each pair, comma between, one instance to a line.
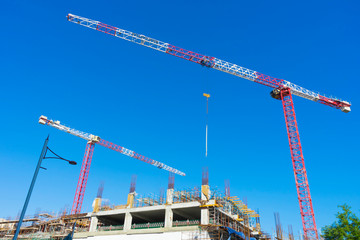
(196,213)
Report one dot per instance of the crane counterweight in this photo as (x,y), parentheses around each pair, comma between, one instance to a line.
(346,107)
(42,120)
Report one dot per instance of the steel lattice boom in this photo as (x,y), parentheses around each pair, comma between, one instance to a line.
(282,90)
(211,62)
(92,140)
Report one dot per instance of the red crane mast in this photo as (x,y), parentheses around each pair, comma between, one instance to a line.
(282,90)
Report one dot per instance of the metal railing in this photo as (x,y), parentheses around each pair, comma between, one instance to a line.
(110,228)
(147,225)
(185,223)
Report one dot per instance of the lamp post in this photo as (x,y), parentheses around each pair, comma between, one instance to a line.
(42,156)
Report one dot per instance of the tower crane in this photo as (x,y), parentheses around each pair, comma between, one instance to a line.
(91,141)
(282,90)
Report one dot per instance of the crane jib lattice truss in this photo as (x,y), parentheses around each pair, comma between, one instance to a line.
(85,168)
(282,90)
(211,62)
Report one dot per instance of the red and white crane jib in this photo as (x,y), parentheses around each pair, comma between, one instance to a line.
(96,139)
(56,124)
(211,62)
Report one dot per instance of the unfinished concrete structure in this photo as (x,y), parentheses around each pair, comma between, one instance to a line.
(196,213)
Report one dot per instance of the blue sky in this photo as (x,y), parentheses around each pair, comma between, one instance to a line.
(152,102)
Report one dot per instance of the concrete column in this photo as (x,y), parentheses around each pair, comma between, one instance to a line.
(168,217)
(204,216)
(205,192)
(96,205)
(93,224)
(128,221)
(169,196)
(130,200)
(205,197)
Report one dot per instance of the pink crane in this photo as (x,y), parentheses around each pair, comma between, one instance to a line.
(282,90)
(92,140)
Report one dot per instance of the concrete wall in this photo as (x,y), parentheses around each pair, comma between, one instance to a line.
(153,236)
(180,234)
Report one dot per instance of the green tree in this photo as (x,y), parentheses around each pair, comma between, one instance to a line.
(347,226)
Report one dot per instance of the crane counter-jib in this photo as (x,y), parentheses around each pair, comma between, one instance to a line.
(210,62)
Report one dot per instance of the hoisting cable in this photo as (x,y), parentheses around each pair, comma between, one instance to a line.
(207,113)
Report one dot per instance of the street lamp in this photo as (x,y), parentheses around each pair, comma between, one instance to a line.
(42,156)
(58,157)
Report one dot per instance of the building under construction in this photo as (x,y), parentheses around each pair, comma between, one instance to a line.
(197,213)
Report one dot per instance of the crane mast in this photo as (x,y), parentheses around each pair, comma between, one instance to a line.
(85,168)
(282,90)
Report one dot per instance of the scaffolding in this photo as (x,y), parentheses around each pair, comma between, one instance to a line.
(187,195)
(150,199)
(45,226)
